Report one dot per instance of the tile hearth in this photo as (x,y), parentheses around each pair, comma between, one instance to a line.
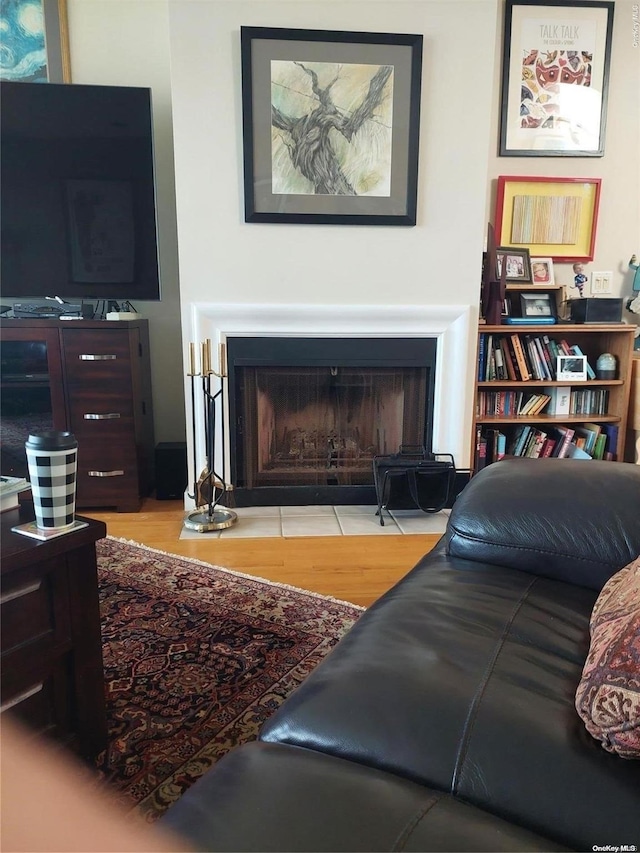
(290,521)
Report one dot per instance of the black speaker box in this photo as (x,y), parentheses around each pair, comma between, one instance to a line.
(596,310)
(171,470)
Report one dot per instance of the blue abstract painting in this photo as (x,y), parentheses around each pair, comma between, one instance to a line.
(23,54)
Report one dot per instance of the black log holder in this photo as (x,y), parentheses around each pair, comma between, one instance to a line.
(210,491)
(425,479)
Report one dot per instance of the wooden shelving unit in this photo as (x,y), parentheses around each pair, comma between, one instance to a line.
(593,340)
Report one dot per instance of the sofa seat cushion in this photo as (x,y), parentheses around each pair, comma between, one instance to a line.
(267,797)
(463,678)
(492,520)
(608,696)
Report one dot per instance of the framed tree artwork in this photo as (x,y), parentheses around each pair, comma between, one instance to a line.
(330,126)
(555,77)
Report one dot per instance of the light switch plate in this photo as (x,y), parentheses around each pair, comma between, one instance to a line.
(601,282)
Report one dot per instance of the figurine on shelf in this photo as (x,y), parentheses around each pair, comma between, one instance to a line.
(634,265)
(580,278)
(633,304)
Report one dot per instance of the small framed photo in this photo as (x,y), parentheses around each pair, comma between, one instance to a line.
(518,264)
(536,305)
(542,272)
(571,368)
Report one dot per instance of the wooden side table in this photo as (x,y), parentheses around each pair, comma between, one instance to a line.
(51,653)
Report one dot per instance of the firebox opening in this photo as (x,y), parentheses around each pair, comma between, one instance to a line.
(309,415)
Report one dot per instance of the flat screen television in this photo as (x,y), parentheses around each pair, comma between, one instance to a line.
(77,193)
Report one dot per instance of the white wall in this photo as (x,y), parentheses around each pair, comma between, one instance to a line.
(126,43)
(437,262)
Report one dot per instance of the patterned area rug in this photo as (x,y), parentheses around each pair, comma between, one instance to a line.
(196,658)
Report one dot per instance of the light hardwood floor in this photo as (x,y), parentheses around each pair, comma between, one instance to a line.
(352,568)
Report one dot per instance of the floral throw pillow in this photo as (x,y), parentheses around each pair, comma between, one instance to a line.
(608,696)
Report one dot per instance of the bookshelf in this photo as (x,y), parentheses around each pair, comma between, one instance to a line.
(602,404)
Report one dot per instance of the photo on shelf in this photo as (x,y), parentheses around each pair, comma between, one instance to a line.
(535,305)
(542,272)
(518,264)
(571,368)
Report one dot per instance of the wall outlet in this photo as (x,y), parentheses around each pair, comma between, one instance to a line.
(601,282)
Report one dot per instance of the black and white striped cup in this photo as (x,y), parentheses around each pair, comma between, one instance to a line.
(52,458)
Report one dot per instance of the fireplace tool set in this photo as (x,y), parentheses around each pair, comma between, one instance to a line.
(210,490)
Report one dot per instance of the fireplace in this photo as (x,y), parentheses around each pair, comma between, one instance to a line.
(308,415)
(450,329)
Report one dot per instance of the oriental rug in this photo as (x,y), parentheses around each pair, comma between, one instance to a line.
(196,658)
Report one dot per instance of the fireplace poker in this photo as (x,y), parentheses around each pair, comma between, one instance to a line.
(210,486)
(193,373)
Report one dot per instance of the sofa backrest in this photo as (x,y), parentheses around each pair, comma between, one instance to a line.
(567,519)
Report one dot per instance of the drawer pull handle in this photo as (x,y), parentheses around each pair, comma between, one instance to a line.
(26,694)
(86,357)
(20,592)
(116,473)
(106,417)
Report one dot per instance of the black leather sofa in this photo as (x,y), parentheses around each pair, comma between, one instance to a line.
(445,719)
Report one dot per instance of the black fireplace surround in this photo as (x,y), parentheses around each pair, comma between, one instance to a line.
(307,415)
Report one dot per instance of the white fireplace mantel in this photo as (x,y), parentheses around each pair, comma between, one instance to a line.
(450,324)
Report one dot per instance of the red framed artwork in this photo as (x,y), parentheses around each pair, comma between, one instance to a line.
(551,217)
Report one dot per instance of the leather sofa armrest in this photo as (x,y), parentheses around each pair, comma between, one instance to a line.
(567,519)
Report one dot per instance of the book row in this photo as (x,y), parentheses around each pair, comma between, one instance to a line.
(520,357)
(557,401)
(587,441)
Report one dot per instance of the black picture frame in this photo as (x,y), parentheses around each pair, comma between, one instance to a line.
(537,304)
(371,81)
(518,264)
(548,44)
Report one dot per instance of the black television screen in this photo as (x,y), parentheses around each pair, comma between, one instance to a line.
(77,190)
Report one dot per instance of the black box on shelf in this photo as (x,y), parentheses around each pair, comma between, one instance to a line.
(596,310)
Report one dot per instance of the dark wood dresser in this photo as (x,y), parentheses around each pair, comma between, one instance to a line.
(91,377)
(51,657)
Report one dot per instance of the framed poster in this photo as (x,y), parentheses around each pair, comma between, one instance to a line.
(35,41)
(552,217)
(555,77)
(330,125)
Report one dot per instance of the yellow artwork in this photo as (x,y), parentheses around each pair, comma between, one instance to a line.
(552,217)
